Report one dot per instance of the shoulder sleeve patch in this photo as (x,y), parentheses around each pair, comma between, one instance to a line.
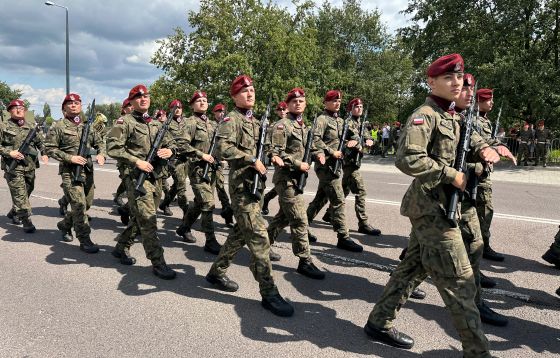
(280,126)
(120,121)
(418,121)
(226,119)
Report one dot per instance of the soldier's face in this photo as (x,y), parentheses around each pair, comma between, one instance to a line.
(17,112)
(333,105)
(282,113)
(73,108)
(178,112)
(141,103)
(486,106)
(127,109)
(200,105)
(447,86)
(219,115)
(297,105)
(465,99)
(245,98)
(358,110)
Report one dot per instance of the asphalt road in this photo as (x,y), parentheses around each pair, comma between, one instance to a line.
(57,301)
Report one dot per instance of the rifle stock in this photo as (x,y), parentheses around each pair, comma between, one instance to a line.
(83,150)
(207,166)
(302,179)
(335,169)
(260,152)
(359,153)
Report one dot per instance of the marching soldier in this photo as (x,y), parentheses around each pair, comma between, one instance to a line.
(219,111)
(20,180)
(326,139)
(288,139)
(352,180)
(129,142)
(237,141)
(63,140)
(281,112)
(525,138)
(427,150)
(543,138)
(122,209)
(194,143)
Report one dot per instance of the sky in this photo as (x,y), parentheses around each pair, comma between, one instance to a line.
(111,43)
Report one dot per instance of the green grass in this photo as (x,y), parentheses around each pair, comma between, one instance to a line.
(554,155)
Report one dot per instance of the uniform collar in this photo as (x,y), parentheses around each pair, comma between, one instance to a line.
(18,122)
(141,117)
(332,114)
(201,116)
(74,120)
(445,105)
(245,112)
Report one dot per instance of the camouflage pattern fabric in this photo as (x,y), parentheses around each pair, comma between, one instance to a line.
(220,188)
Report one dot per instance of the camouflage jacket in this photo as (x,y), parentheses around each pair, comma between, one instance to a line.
(11,138)
(177,129)
(63,141)
(543,136)
(484,127)
(525,136)
(326,137)
(288,139)
(350,154)
(195,139)
(130,140)
(426,151)
(238,136)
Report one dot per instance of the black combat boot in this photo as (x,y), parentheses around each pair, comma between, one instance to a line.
(163,271)
(552,257)
(418,294)
(277,305)
(123,254)
(227,214)
(66,234)
(212,245)
(368,230)
(264,209)
(187,236)
(311,237)
(164,207)
(403,253)
(492,255)
(327,216)
(558,291)
(307,268)
(88,246)
(390,336)
(487,315)
(346,243)
(12,216)
(222,282)
(274,256)
(62,206)
(486,282)
(28,226)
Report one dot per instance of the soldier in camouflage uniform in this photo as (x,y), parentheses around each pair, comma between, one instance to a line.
(21,180)
(194,143)
(427,150)
(62,142)
(543,138)
(352,180)
(237,144)
(129,142)
(122,208)
(227,212)
(282,113)
(180,168)
(525,138)
(326,139)
(288,138)
(552,255)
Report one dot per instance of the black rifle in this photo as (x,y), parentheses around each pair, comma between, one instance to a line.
(207,165)
(461,161)
(83,150)
(335,169)
(497,125)
(302,180)
(361,141)
(27,142)
(260,153)
(139,188)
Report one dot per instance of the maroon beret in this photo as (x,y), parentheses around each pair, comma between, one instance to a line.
(281,105)
(71,97)
(355,102)
(14,103)
(294,93)
(239,83)
(445,64)
(219,107)
(332,95)
(125,103)
(484,94)
(196,95)
(159,113)
(468,80)
(174,103)
(138,90)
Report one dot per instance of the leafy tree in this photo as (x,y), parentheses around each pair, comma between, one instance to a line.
(7,94)
(46,110)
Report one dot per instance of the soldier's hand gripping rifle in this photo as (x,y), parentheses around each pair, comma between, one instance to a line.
(461,162)
(207,166)
(359,153)
(335,168)
(83,150)
(260,153)
(24,148)
(139,187)
(302,179)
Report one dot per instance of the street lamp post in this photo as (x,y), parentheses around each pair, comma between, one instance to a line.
(50,3)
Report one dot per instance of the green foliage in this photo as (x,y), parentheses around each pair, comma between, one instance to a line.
(46,110)
(7,94)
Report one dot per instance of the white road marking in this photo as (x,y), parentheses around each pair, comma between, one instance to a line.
(403,184)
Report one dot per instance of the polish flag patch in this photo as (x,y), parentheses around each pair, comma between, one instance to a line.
(280,126)
(417,121)
(120,121)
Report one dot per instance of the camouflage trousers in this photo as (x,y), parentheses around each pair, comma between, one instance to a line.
(556,243)
(21,184)
(485,209)
(330,189)
(353,182)
(203,204)
(472,238)
(292,212)
(179,187)
(143,215)
(221,189)
(437,250)
(250,230)
(132,230)
(80,198)
(273,193)
(523,152)
(541,153)
(121,189)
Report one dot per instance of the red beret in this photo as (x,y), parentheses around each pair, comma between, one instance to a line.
(138,90)
(239,83)
(397,124)
(196,95)
(294,93)
(468,80)
(125,103)
(281,105)
(354,102)
(159,113)
(445,64)
(219,107)
(71,97)
(14,103)
(177,103)
(484,94)
(332,95)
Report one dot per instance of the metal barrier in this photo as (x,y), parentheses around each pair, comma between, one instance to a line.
(553,150)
